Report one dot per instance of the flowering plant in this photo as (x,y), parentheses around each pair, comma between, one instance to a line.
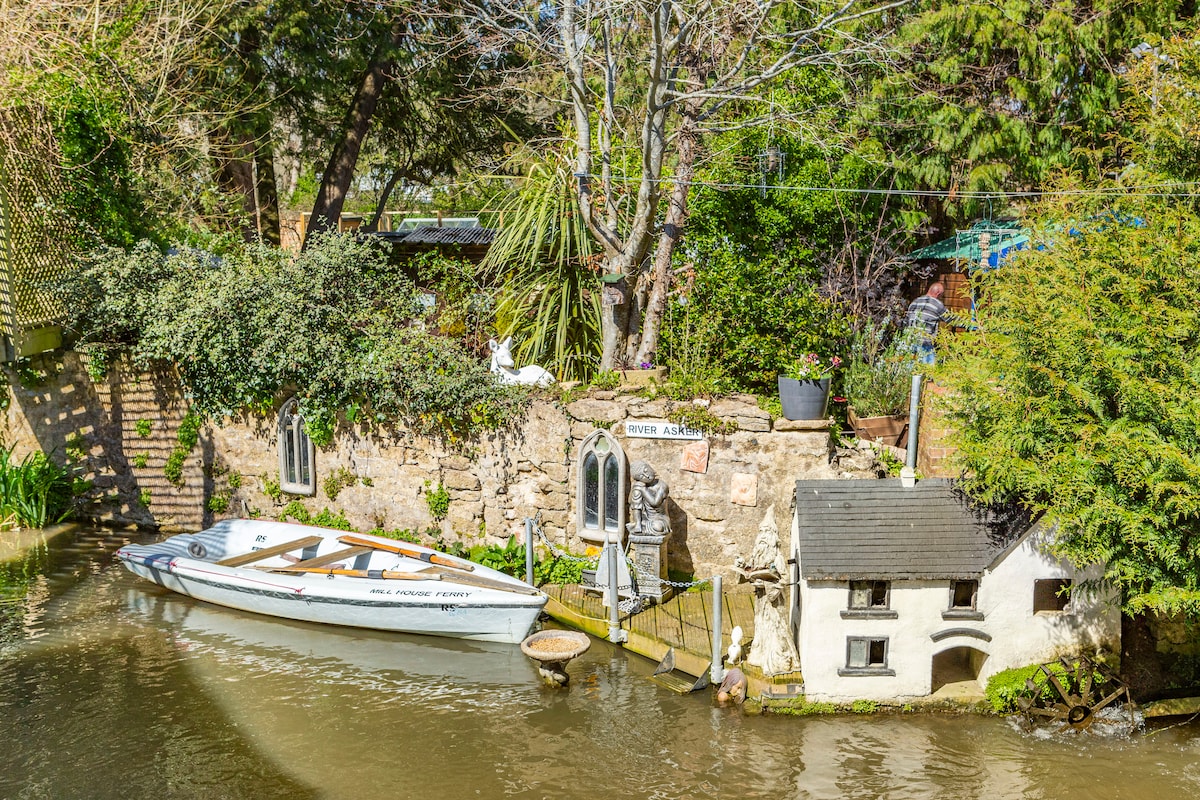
(813,368)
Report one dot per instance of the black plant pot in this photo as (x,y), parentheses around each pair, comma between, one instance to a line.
(804,399)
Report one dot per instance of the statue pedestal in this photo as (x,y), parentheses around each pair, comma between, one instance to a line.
(650,562)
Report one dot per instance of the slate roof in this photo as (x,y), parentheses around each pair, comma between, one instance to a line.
(878,530)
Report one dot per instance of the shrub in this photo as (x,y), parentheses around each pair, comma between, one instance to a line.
(878,373)
(438,500)
(34,492)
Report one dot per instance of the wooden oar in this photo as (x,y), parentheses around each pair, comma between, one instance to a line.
(431,558)
(482,582)
(377,574)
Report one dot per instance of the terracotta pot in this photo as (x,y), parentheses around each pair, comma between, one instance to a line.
(891,430)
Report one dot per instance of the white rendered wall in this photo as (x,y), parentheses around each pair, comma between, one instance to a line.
(1017,635)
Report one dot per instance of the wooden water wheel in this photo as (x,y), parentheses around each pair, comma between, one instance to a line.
(1072,692)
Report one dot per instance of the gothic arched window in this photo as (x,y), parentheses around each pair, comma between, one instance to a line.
(296,452)
(601,488)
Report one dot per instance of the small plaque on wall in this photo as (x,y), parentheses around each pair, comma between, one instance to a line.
(695,457)
(743,489)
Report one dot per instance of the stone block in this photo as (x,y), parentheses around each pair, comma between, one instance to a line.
(461,481)
(592,410)
(459,463)
(802,425)
(756,424)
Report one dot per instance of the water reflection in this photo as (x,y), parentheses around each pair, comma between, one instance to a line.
(111,687)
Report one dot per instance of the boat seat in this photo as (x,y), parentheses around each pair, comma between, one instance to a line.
(267,552)
(328,558)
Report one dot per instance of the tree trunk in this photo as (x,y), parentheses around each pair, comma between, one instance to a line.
(381,207)
(266,194)
(335,182)
(672,233)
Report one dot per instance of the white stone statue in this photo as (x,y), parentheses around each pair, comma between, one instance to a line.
(773,649)
(504,366)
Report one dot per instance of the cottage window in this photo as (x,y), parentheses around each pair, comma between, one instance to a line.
(601,489)
(296,452)
(866,656)
(869,594)
(962,594)
(869,600)
(1051,595)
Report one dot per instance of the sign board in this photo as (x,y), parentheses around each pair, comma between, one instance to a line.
(660,430)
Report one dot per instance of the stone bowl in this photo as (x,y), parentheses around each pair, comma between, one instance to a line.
(552,649)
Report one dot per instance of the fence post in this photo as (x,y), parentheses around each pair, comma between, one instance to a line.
(615,634)
(914,420)
(716,672)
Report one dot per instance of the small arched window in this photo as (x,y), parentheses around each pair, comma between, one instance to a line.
(601,489)
(296,452)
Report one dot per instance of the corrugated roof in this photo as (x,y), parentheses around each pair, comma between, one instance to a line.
(877,529)
(432,234)
(1004,236)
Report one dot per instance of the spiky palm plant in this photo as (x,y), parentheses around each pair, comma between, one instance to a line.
(550,298)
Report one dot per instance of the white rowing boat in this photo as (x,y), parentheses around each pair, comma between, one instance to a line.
(320,575)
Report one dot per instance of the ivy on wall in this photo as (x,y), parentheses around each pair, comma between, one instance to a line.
(245,323)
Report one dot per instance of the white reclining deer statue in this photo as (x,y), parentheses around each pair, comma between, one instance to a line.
(504,366)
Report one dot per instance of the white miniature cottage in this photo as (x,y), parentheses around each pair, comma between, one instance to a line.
(900,591)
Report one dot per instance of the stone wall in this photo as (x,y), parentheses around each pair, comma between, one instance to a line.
(493,482)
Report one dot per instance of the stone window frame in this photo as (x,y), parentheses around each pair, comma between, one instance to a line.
(291,430)
(871,610)
(609,449)
(970,611)
(1048,600)
(868,668)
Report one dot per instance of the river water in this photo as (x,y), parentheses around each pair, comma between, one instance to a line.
(111,687)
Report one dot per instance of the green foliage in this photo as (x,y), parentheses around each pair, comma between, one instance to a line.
(877,376)
(141,459)
(295,510)
(991,96)
(802,708)
(188,435)
(751,267)
(1076,395)
(550,301)
(249,322)
(509,559)
(699,418)
(399,534)
(143,427)
(144,497)
(336,481)
(271,487)
(1006,686)
(218,502)
(329,519)
(864,707)
(34,492)
(606,381)
(234,479)
(438,500)
(558,571)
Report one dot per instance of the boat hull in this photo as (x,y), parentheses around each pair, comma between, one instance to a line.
(436,606)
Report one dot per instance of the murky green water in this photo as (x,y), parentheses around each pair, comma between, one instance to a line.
(111,687)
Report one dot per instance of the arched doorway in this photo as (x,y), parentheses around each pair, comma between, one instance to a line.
(957,670)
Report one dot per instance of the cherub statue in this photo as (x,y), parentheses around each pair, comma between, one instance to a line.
(647,502)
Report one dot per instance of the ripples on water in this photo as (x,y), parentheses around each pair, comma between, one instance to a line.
(113,688)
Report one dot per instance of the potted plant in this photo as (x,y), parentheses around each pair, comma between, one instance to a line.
(643,374)
(804,389)
(876,383)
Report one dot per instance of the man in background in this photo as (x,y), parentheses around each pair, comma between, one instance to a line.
(922,319)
